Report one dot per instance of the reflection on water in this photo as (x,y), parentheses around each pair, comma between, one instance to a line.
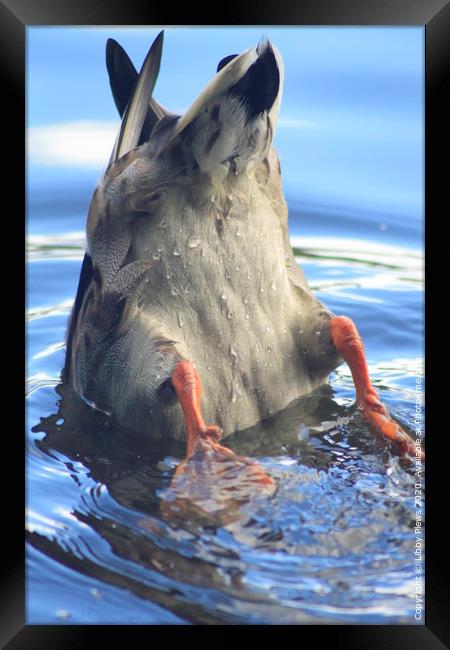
(333,544)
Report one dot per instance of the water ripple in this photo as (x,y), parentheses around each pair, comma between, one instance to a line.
(333,545)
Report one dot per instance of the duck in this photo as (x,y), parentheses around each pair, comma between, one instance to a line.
(192,319)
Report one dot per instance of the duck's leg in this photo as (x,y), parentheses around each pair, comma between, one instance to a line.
(203,439)
(187,385)
(348,342)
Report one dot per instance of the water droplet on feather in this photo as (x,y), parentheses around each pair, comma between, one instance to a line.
(193,242)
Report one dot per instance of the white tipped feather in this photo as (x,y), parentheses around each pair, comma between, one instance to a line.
(136,111)
(224,79)
(273,113)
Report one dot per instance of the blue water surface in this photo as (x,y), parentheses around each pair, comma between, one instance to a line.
(336,542)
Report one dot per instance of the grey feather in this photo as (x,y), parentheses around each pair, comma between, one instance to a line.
(130,276)
(109,247)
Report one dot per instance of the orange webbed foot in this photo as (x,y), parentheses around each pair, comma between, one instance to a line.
(348,342)
(388,427)
(212,481)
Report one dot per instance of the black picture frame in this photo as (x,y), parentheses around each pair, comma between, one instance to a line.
(15,16)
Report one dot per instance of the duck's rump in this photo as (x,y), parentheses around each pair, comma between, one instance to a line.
(231,299)
(250,368)
(256,334)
